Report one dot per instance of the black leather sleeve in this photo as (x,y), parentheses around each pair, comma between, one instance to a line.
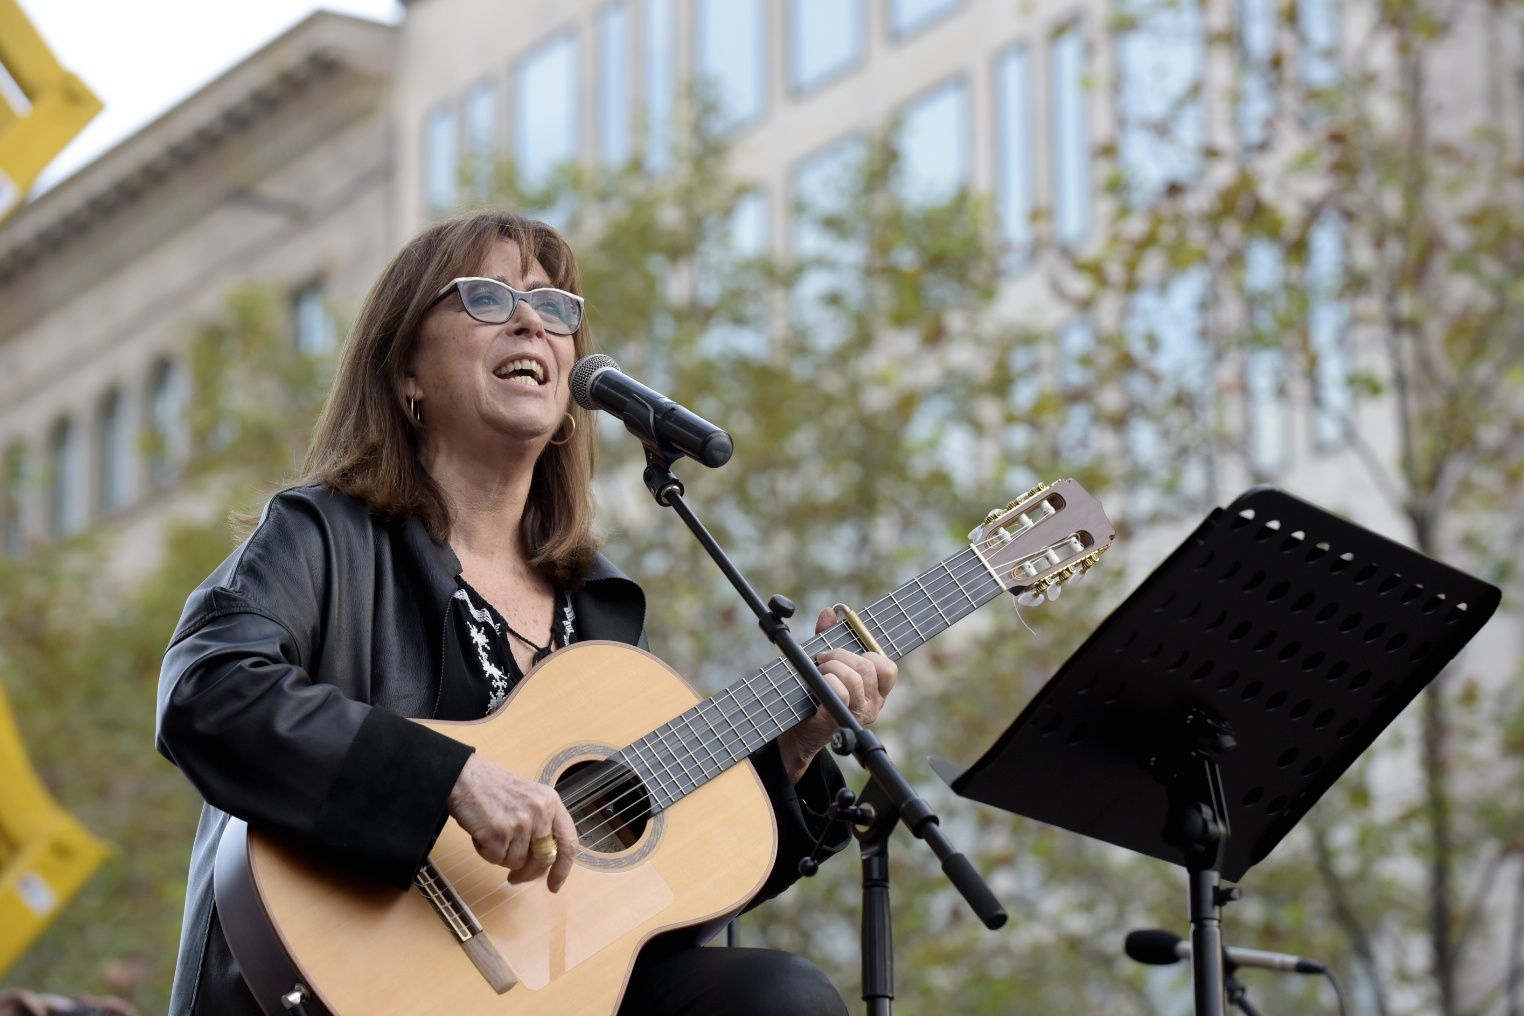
(244,720)
(800,809)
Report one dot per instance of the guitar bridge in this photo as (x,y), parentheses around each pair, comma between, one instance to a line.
(457,916)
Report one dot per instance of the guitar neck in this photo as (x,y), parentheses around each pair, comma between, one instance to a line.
(682,755)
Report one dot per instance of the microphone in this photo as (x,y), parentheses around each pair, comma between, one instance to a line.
(661,424)
(1163,947)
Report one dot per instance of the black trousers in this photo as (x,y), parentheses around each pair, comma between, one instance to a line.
(719,981)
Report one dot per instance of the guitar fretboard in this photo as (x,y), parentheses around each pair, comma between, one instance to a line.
(682,755)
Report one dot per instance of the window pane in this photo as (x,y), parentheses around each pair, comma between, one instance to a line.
(906,16)
(1071,138)
(614,83)
(1318,26)
(1075,346)
(1327,317)
(825,37)
(1160,60)
(481,138)
(732,56)
(831,258)
(66,514)
(1265,362)
(1256,71)
(933,144)
(1169,438)
(545,110)
(315,331)
(1014,191)
(15,499)
(112,450)
(740,330)
(441,165)
(166,414)
(660,77)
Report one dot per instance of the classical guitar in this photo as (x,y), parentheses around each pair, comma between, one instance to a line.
(674,831)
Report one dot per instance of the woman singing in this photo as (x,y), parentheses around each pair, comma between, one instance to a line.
(438,547)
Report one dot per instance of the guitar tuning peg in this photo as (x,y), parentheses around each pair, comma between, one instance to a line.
(1053,591)
(1030,598)
(1079,575)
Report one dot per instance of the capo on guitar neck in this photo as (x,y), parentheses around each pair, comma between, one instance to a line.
(848,616)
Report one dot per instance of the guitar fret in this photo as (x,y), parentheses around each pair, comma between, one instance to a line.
(921,586)
(972,603)
(661,734)
(657,778)
(709,741)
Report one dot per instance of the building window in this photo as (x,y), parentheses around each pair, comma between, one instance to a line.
(1267,417)
(933,142)
(1015,192)
(14,505)
(1256,103)
(113,454)
(906,17)
(66,508)
(441,160)
(1327,318)
(831,261)
(1071,137)
(316,332)
(614,84)
(1075,371)
(1169,439)
(740,325)
(731,56)
(825,40)
(545,114)
(166,424)
(1160,59)
(481,139)
(1317,23)
(660,78)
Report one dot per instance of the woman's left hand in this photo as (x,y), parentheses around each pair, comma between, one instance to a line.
(863,682)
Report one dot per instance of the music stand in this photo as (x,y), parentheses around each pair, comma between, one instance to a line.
(1228,692)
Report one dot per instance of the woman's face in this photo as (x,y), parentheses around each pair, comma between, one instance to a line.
(475,383)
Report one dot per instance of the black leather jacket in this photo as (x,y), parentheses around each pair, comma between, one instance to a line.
(283,693)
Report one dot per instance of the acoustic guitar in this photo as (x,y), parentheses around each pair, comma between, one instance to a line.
(674,831)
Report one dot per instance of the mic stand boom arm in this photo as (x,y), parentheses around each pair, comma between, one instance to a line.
(869,751)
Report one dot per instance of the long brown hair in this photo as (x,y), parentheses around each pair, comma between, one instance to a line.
(366,441)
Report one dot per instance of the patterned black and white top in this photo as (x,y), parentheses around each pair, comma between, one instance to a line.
(489,657)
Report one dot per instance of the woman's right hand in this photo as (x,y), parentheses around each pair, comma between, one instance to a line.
(504,813)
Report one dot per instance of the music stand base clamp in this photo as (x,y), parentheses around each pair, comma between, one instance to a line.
(1197,825)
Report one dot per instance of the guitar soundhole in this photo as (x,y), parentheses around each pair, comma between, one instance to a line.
(608,803)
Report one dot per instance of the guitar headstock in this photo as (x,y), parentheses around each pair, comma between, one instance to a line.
(1050,535)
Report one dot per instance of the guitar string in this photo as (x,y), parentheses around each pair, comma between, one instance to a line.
(780,696)
(940,587)
(500,886)
(772,694)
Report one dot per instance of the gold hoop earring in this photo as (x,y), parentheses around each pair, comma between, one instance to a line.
(569,434)
(412,408)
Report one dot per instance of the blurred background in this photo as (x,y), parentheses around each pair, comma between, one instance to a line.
(916,255)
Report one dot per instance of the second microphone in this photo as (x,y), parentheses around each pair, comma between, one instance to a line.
(661,424)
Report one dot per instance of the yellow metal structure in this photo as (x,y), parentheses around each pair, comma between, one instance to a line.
(46,855)
(42,114)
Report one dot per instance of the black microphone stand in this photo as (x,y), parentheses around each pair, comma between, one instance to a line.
(1237,994)
(851,738)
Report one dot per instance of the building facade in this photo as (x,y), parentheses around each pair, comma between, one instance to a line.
(277,172)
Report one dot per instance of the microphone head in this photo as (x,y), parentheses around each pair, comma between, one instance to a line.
(582,375)
(1153,946)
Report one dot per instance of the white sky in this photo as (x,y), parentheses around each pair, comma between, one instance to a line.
(141,58)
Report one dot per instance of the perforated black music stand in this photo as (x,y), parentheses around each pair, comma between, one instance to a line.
(1229,691)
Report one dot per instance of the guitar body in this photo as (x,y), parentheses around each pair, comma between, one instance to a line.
(359,948)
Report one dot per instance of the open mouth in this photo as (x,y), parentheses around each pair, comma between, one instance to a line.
(524,371)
